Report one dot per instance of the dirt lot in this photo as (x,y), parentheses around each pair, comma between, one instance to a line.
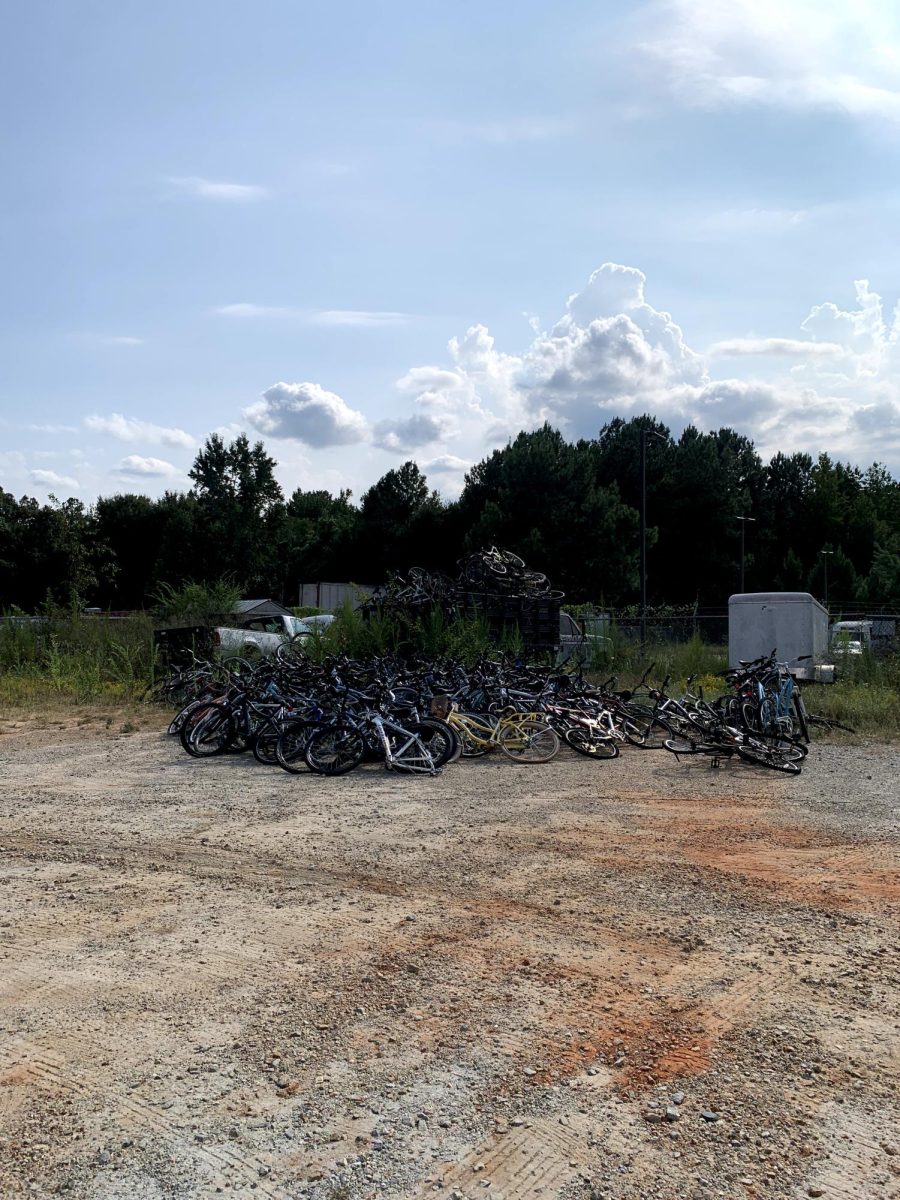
(627,979)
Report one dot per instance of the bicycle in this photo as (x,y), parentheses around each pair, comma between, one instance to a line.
(524,737)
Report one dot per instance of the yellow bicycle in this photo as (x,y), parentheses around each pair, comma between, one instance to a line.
(524,737)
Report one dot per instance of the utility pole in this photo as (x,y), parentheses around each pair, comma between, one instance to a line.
(825,554)
(743,521)
(645,433)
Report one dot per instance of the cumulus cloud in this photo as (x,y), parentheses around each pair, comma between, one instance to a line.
(307,413)
(806,54)
(612,353)
(409,434)
(211,189)
(137,465)
(446,464)
(131,429)
(52,479)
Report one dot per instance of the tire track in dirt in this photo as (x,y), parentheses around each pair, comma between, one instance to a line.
(531,1159)
(28,1062)
(855,1166)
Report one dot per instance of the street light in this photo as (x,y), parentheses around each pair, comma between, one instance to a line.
(645,433)
(825,554)
(743,521)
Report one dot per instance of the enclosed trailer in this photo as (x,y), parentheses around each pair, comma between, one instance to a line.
(793,623)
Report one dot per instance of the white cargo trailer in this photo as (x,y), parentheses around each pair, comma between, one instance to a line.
(793,623)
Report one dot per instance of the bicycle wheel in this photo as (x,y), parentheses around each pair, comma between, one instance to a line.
(800,713)
(264,745)
(590,744)
(761,755)
(178,721)
(290,746)
(646,732)
(681,745)
(334,751)
(467,734)
(210,732)
(528,742)
(437,737)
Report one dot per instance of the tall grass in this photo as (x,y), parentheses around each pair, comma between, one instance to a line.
(69,656)
(620,653)
(429,634)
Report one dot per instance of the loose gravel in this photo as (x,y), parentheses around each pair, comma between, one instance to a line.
(617,980)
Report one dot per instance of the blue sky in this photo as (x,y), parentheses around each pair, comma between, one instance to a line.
(366,233)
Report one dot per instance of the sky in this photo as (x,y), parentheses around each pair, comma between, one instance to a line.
(367,233)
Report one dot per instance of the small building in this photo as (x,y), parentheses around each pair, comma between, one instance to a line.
(793,623)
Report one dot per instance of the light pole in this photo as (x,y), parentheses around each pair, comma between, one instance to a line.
(743,521)
(645,433)
(825,554)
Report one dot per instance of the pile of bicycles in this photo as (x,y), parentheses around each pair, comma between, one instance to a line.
(761,720)
(420,715)
(495,573)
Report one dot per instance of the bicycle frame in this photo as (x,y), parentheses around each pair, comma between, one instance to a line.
(391,758)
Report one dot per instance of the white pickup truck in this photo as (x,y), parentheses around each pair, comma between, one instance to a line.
(263,635)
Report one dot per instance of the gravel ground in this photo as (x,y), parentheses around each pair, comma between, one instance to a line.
(617,980)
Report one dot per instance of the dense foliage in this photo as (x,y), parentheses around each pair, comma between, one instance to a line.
(569,509)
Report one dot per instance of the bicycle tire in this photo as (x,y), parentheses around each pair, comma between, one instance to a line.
(469,748)
(335,750)
(290,748)
(647,733)
(264,746)
(584,742)
(681,745)
(800,714)
(178,721)
(767,756)
(529,742)
(437,737)
(210,733)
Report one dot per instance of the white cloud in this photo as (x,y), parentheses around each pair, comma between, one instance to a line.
(359,318)
(257,310)
(210,189)
(612,353)
(446,464)
(773,347)
(102,340)
(137,465)
(307,413)
(800,54)
(409,434)
(131,429)
(52,479)
(51,429)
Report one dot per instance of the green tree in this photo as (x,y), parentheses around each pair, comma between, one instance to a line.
(239,502)
(397,522)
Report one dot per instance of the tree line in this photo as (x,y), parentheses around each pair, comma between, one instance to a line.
(570,509)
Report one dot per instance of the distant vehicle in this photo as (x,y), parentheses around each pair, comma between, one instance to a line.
(847,645)
(574,642)
(263,635)
(851,637)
